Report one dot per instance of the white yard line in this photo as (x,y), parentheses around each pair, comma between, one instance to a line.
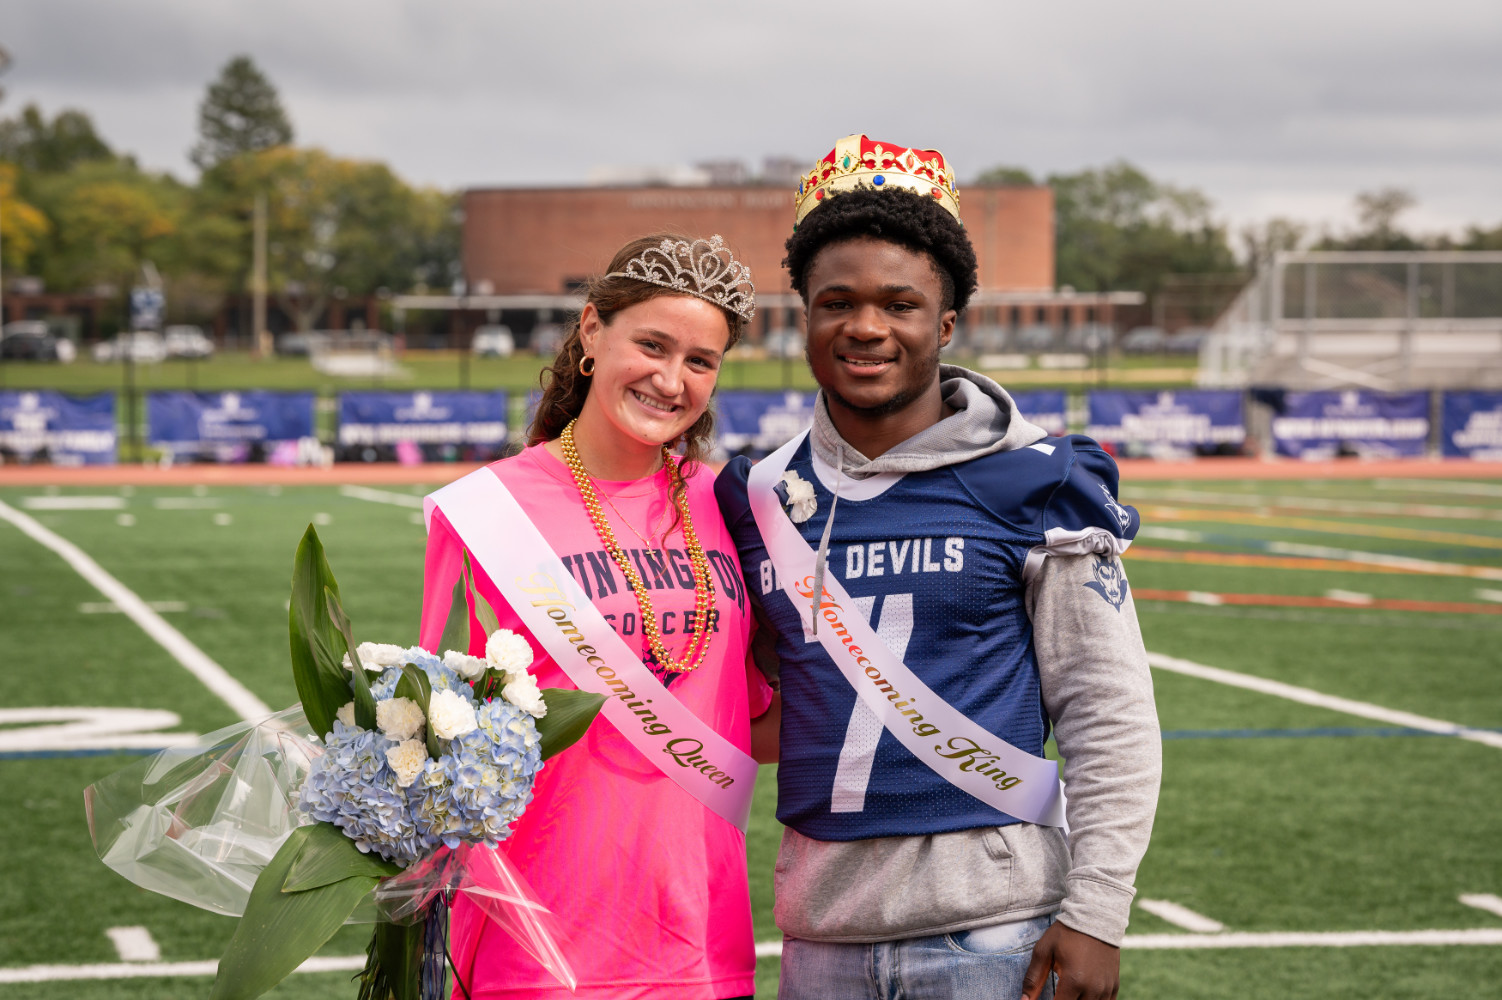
(1305,696)
(1379,508)
(187,503)
(151,970)
(135,944)
(110,608)
(218,680)
(1489,595)
(73,502)
(1384,559)
(1483,901)
(1312,939)
(1181,916)
(381,496)
(1348,596)
(773,949)
(1441,486)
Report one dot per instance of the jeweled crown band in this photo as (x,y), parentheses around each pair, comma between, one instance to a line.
(859,162)
(705,269)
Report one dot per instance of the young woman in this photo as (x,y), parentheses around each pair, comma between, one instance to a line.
(647,883)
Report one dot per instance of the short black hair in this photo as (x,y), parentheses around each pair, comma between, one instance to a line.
(898,216)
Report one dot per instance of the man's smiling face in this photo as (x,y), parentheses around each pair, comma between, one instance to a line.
(876,322)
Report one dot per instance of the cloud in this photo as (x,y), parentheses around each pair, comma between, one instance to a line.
(1260,104)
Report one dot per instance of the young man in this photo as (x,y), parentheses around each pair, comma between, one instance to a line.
(939,587)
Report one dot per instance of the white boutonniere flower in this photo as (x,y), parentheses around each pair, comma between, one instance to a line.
(801,502)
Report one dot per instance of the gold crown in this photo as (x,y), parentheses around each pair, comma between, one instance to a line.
(858,162)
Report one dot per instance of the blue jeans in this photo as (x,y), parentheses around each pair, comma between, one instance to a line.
(987,963)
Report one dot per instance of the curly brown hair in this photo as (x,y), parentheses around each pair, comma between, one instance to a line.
(564,389)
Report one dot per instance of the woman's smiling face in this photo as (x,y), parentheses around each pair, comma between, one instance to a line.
(655,366)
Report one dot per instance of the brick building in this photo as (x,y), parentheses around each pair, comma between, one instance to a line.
(547,240)
(526,252)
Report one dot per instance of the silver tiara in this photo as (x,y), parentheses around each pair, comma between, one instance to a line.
(704,268)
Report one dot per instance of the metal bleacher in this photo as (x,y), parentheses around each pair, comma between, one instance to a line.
(1371,319)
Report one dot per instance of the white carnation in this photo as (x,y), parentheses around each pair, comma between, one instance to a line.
(399,718)
(802,503)
(466,666)
(407,759)
(346,714)
(450,715)
(524,694)
(509,652)
(379,655)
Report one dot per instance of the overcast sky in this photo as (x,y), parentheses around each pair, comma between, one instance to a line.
(1269,107)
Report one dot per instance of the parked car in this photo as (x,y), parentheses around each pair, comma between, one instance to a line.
(493,342)
(187,342)
(1035,338)
(301,344)
(784,343)
(29,340)
(144,347)
(1144,340)
(1186,341)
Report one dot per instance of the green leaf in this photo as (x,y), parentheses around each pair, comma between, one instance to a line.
(456,628)
(414,684)
(482,609)
(398,950)
(569,715)
(328,857)
(282,929)
(365,713)
(317,647)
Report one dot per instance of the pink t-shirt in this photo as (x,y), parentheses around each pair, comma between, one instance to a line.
(648,886)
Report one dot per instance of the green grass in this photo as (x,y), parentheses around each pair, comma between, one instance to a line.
(1266,834)
(441,370)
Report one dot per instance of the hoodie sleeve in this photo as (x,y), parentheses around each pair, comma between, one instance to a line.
(1098,691)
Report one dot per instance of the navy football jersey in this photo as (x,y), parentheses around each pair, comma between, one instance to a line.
(938,562)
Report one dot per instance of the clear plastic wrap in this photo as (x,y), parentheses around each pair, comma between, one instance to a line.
(199,823)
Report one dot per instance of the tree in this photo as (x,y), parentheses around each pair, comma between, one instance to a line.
(107,218)
(1006,174)
(1117,228)
(24,225)
(1263,241)
(334,227)
(33,143)
(1377,223)
(241,113)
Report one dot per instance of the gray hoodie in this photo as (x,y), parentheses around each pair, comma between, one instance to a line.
(1097,690)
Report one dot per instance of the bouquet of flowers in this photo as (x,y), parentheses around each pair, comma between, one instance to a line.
(379,800)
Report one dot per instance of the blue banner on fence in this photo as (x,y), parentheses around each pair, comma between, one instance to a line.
(64,430)
(1186,420)
(230,426)
(1471,425)
(1044,407)
(423,418)
(755,423)
(1319,425)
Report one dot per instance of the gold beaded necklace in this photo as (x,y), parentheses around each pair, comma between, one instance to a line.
(699,641)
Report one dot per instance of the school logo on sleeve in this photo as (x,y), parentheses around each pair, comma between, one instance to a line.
(1109,582)
(1118,511)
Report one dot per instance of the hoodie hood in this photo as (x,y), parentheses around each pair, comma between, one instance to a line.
(985,420)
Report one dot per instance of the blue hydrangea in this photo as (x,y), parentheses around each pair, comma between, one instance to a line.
(478,787)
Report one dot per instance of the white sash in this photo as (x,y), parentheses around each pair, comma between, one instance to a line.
(519,561)
(955,748)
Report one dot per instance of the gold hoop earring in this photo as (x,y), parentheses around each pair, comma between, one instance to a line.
(591,360)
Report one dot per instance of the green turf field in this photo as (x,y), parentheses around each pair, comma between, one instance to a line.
(1277,815)
(442,370)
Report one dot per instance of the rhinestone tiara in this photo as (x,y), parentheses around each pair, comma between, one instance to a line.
(705,269)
